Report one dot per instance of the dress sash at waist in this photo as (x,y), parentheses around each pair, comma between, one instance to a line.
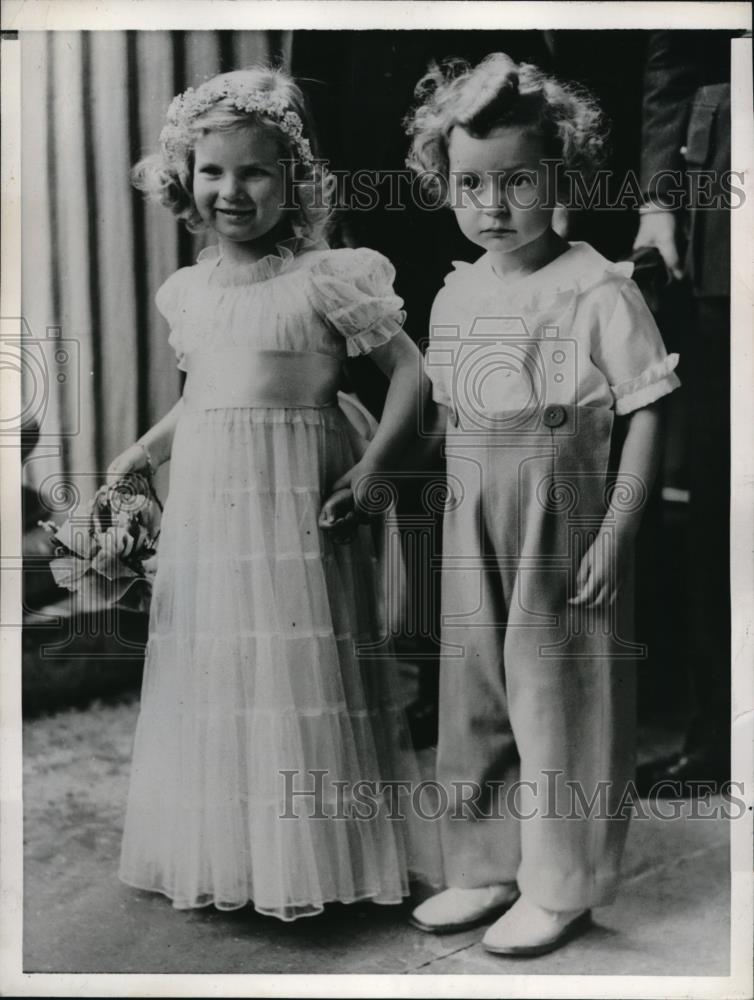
(233,377)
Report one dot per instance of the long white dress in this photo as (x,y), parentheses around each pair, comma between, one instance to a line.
(254,687)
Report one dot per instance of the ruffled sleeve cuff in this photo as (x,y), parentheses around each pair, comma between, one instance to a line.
(353,290)
(375,336)
(653,383)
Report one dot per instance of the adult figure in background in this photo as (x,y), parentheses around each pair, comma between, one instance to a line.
(686,129)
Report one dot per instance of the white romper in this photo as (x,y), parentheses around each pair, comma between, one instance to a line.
(533,689)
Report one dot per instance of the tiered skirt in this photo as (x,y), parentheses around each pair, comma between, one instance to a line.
(271,762)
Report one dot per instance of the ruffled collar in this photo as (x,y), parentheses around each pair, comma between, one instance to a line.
(226,272)
(579,268)
(551,288)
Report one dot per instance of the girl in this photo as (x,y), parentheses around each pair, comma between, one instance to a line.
(534,350)
(258,716)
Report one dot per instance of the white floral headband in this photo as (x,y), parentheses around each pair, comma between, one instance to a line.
(191,104)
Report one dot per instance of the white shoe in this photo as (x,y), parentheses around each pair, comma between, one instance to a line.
(459,909)
(528,929)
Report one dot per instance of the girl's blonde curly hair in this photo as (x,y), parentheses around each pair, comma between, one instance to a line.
(261,96)
(500,92)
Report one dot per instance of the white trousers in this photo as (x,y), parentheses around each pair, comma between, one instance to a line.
(537,697)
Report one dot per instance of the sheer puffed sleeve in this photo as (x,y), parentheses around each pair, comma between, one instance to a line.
(170,300)
(353,291)
(628,348)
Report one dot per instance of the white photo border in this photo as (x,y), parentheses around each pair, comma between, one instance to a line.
(19,16)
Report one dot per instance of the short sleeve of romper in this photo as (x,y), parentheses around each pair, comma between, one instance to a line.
(353,291)
(170,300)
(628,347)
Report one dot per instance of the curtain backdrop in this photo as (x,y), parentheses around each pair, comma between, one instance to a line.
(98,369)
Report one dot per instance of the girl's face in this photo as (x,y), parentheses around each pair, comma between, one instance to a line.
(238,187)
(498,188)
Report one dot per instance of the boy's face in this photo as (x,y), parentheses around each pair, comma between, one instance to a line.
(498,187)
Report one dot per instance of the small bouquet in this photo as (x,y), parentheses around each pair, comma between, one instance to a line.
(109,558)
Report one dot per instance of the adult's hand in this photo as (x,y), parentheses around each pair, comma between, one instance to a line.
(658,229)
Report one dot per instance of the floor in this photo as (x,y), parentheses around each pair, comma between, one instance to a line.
(672,916)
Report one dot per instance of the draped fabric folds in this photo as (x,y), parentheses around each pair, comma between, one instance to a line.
(97,369)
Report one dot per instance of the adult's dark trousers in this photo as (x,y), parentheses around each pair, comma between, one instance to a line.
(706,375)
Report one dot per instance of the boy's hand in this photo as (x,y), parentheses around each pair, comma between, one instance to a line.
(600,571)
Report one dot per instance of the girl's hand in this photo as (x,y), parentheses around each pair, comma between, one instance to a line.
(600,572)
(133,459)
(344,490)
(338,509)
(341,512)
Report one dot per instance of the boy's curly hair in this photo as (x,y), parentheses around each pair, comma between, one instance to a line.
(167,176)
(500,92)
